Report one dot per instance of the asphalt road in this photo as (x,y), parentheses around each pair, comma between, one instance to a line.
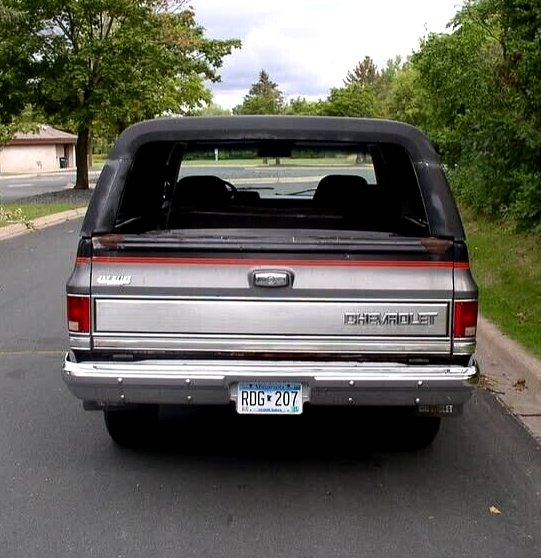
(14,188)
(224,486)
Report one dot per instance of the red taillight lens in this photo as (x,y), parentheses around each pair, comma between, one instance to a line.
(465,324)
(79,314)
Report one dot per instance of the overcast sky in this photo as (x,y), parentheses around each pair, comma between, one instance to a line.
(308,46)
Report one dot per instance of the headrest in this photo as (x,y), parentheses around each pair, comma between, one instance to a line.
(340,190)
(205,189)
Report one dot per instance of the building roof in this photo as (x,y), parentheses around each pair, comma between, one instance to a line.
(45,135)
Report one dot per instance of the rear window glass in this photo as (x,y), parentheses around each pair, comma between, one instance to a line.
(273,185)
(298,173)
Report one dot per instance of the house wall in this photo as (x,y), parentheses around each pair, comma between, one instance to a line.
(70,150)
(31,158)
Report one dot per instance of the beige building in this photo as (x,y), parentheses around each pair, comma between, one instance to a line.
(40,151)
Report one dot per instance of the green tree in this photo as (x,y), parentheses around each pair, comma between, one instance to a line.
(15,65)
(210,109)
(107,63)
(482,87)
(405,99)
(365,73)
(26,121)
(264,97)
(353,100)
(519,78)
(386,78)
(302,107)
(378,82)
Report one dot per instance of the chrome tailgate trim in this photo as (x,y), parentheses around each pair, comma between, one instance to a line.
(287,344)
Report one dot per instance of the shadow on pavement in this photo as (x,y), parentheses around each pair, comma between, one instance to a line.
(320,432)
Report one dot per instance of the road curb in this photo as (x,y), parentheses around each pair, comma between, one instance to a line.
(510,353)
(512,374)
(18,229)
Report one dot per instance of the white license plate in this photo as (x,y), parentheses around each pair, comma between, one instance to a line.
(269,398)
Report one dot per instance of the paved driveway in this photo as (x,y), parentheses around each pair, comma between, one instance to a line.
(222,486)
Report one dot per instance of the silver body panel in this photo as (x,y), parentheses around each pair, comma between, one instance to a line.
(214,382)
(260,317)
(332,309)
(316,280)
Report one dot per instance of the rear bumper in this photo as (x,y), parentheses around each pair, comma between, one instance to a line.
(214,382)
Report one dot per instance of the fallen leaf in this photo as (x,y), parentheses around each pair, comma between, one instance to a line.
(494,510)
(520,385)
(521,316)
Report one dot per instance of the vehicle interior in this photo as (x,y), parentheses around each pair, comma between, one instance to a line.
(272,185)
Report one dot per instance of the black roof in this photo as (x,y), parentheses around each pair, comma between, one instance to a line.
(440,206)
(294,128)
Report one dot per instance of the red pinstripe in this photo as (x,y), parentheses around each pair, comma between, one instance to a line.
(270,262)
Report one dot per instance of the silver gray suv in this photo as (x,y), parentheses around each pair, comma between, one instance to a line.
(272,263)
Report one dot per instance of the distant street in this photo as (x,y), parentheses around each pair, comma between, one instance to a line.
(222,485)
(17,188)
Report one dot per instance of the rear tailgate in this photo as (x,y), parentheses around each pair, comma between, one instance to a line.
(373,300)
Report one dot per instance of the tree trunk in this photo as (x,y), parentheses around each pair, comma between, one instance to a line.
(90,150)
(81,158)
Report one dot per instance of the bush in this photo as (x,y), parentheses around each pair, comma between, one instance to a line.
(525,209)
(497,192)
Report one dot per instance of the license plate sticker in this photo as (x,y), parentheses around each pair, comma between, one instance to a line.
(269,398)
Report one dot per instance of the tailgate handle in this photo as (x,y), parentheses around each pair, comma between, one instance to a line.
(272,279)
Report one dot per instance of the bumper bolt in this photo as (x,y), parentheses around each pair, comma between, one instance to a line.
(189,398)
(351,383)
(350,400)
(188,381)
(122,397)
(417,401)
(119,380)
(420,383)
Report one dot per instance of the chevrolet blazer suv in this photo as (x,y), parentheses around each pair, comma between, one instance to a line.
(271,263)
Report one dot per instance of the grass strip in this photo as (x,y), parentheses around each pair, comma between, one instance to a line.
(507,267)
(11,213)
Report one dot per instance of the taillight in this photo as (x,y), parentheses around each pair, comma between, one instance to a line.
(78,314)
(465,323)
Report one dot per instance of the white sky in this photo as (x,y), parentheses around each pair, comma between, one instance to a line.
(308,46)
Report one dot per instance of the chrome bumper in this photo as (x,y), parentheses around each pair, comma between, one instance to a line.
(214,382)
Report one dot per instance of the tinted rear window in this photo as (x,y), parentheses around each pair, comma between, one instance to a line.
(273,185)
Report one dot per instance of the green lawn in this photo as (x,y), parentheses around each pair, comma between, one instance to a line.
(11,213)
(98,160)
(507,267)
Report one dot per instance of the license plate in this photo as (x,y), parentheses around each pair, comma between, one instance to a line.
(269,398)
